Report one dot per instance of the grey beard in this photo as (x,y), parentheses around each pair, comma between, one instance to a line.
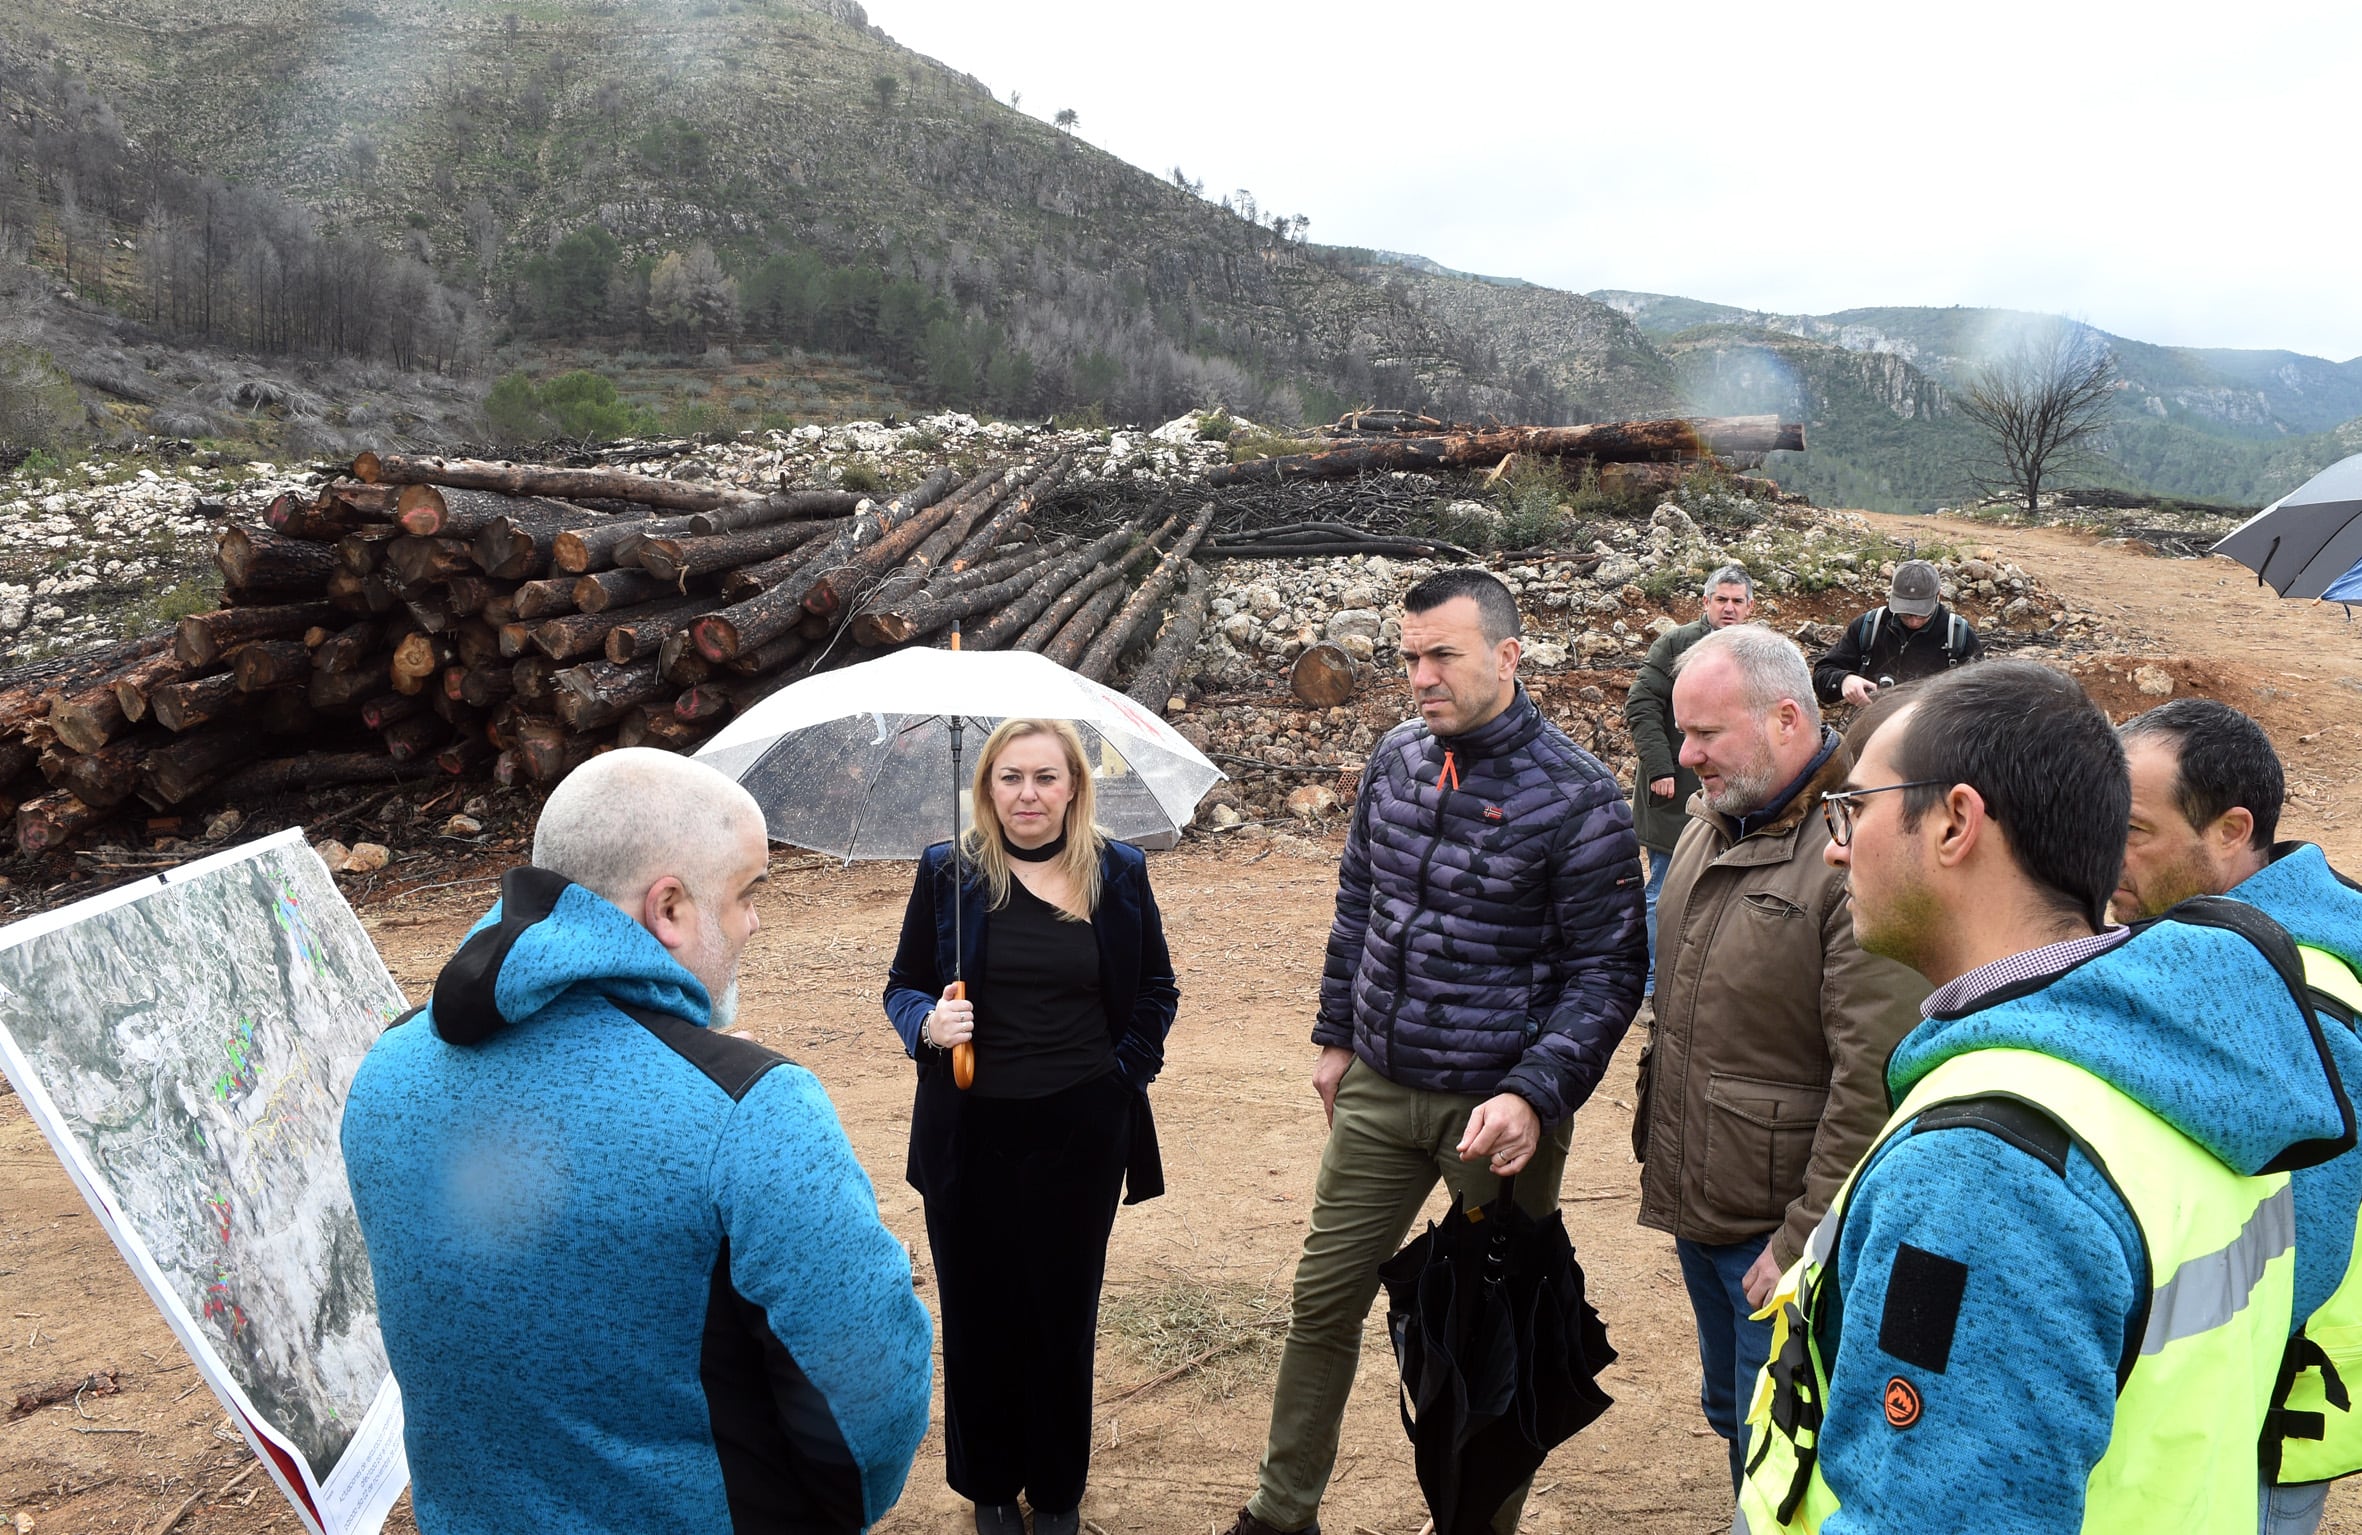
(725,1007)
(1742,793)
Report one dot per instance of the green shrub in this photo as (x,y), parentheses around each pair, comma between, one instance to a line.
(860,479)
(581,405)
(1216,425)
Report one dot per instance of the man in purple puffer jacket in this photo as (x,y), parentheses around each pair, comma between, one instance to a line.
(1487,957)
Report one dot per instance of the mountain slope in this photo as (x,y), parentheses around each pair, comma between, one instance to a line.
(482,136)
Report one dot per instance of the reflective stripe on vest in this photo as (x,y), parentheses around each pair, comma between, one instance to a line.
(2315,1433)
(2220,1251)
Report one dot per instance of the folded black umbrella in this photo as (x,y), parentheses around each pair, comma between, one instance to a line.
(1499,1353)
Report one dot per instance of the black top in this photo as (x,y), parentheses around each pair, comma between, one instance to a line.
(1039,1026)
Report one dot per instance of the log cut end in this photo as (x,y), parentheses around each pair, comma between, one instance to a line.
(716,637)
(420,510)
(1324,676)
(366,467)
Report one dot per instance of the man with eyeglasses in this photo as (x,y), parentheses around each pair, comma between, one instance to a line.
(1763,1080)
(2053,1297)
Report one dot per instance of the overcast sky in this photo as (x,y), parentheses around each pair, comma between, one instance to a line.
(2175,174)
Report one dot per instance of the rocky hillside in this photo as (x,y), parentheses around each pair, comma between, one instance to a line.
(2211,423)
(479,137)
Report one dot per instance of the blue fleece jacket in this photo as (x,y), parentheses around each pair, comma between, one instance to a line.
(630,1276)
(2299,890)
(2194,1024)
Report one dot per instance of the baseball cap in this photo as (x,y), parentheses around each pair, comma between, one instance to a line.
(1916,590)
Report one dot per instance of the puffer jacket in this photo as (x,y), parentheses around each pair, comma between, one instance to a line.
(1488,935)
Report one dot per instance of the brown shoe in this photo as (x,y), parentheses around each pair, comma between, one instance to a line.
(1248,1524)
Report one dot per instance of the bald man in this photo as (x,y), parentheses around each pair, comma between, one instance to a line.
(629,1274)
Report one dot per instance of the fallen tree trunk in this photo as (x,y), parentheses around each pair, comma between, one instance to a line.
(312,770)
(536,480)
(597,693)
(956,595)
(617,588)
(1067,646)
(1391,548)
(268,664)
(198,701)
(104,778)
(644,637)
(965,549)
(1605,441)
(867,528)
(255,561)
(674,560)
(1159,676)
(581,634)
(1046,602)
(783,506)
(579,551)
(90,717)
(437,511)
(345,649)
(418,563)
(341,690)
(53,819)
(838,589)
(391,708)
(1324,676)
(176,772)
(516,548)
(545,598)
(200,638)
(1098,662)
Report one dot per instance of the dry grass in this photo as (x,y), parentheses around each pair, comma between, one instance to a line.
(1219,1337)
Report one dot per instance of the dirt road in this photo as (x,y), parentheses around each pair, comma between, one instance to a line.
(1203,1268)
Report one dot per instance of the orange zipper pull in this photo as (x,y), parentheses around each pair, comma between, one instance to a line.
(1449,774)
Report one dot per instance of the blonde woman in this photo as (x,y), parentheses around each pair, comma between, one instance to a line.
(1072,992)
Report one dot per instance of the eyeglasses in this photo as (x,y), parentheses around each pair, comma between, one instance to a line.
(1837,806)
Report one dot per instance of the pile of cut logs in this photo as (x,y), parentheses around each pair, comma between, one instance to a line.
(499,620)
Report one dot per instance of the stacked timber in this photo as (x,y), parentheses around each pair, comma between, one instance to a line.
(427,617)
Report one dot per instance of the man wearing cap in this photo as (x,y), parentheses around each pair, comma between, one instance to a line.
(1914,635)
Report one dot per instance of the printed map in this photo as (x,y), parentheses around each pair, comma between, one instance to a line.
(197,1042)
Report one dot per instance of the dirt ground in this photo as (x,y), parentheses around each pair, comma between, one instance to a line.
(1241,1132)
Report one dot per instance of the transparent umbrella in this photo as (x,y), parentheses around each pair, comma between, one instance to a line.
(858,763)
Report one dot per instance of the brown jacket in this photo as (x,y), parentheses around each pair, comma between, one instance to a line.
(1765,1075)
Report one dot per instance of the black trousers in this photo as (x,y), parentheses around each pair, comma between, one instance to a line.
(1018,1225)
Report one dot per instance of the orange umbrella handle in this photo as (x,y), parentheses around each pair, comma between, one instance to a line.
(963,1054)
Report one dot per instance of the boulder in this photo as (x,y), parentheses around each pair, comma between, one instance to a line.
(2153,681)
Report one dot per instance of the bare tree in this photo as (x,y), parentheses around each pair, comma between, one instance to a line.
(2042,403)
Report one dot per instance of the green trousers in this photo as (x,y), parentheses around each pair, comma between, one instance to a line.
(1387,1147)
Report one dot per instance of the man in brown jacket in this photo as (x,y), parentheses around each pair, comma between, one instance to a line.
(1764,1079)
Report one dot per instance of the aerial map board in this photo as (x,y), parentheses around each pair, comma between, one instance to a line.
(186,1044)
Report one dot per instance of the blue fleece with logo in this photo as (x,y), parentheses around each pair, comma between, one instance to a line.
(583,1243)
(2299,890)
(2191,1022)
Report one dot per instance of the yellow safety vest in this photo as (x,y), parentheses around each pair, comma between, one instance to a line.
(2315,1434)
(2221,1269)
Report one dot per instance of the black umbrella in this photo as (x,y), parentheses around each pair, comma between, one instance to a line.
(1498,1351)
(2302,543)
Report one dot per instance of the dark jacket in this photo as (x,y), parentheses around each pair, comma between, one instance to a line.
(1648,709)
(1900,653)
(1136,988)
(561,1129)
(1765,1078)
(1488,935)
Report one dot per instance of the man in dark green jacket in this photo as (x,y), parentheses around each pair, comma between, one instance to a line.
(1661,786)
